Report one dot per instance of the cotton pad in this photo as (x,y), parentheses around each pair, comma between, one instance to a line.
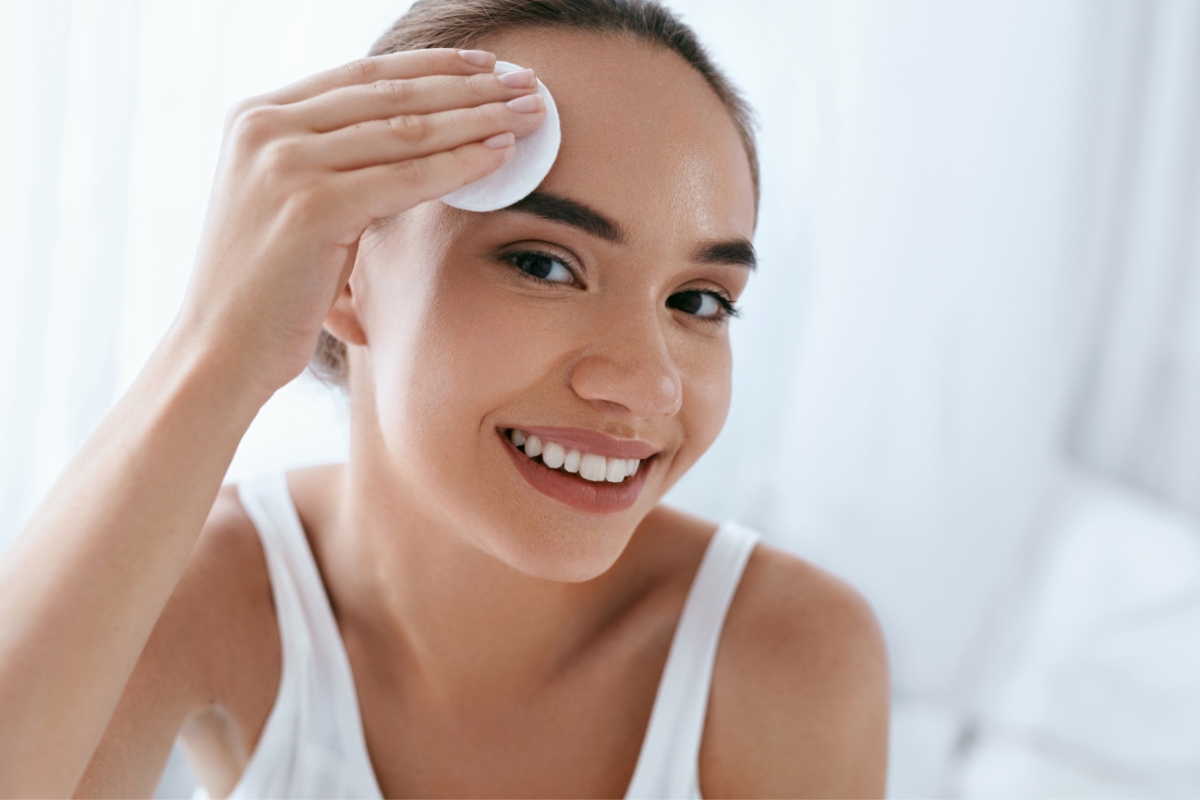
(523,172)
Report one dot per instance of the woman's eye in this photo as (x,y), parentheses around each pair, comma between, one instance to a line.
(706,305)
(542,266)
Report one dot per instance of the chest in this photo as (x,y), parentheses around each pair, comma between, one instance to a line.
(580,736)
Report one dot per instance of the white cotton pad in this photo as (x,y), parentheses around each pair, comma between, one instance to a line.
(523,172)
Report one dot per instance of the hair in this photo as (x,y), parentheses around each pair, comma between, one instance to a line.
(460,24)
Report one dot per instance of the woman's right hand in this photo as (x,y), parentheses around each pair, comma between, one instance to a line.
(303,171)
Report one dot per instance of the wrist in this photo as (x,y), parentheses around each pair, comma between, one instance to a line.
(190,365)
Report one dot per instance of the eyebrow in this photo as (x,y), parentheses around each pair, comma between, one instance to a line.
(556,208)
(738,252)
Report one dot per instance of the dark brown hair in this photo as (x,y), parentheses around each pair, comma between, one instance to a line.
(462,23)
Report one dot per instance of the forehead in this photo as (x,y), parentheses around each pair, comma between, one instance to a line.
(645,140)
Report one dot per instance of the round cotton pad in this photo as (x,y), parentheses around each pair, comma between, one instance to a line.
(523,172)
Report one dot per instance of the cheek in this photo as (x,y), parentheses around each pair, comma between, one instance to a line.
(494,348)
(466,352)
(706,371)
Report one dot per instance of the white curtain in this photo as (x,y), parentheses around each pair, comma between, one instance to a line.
(900,408)
(970,351)
(965,376)
(1139,402)
(65,146)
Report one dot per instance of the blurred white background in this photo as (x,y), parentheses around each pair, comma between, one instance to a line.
(967,377)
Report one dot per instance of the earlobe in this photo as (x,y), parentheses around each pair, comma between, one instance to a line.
(342,320)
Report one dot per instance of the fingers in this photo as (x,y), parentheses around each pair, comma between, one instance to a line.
(419,135)
(394,66)
(383,99)
(389,189)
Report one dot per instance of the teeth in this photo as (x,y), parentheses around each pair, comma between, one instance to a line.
(593,467)
(553,455)
(589,466)
(616,470)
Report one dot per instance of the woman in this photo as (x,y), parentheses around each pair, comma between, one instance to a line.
(455,611)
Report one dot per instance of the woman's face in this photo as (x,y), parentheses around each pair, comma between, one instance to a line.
(595,313)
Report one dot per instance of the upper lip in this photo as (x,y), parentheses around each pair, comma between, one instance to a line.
(588,441)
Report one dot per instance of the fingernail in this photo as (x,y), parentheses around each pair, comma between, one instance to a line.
(527,104)
(520,79)
(500,141)
(478,58)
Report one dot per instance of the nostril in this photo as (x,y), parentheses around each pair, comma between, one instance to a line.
(645,384)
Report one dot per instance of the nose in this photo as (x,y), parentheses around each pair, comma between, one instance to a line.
(630,366)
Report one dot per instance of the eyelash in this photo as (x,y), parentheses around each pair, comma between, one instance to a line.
(728,307)
(514,259)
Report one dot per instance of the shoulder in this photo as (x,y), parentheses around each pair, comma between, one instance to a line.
(224,608)
(228,555)
(223,589)
(799,704)
(221,615)
(210,667)
(227,570)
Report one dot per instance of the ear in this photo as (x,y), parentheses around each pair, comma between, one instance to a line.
(342,320)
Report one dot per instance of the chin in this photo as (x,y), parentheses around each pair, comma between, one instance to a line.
(547,523)
(568,551)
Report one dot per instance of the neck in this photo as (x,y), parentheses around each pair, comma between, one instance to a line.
(417,583)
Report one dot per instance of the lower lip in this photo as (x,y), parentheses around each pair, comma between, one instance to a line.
(594,497)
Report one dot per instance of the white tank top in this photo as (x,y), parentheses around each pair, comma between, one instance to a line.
(313,744)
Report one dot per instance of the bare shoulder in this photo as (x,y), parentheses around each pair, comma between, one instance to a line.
(228,600)
(315,492)
(225,595)
(228,554)
(799,703)
(210,668)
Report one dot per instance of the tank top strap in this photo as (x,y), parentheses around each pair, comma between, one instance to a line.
(312,744)
(668,765)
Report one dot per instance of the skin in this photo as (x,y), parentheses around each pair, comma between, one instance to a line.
(143,618)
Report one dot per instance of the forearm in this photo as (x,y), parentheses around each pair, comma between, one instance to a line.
(83,585)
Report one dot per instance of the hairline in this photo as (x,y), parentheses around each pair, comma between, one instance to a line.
(740,112)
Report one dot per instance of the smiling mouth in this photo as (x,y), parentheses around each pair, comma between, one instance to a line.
(589,466)
(586,481)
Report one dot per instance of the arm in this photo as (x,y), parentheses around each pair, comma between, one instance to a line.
(302,174)
(799,705)
(210,671)
(82,588)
